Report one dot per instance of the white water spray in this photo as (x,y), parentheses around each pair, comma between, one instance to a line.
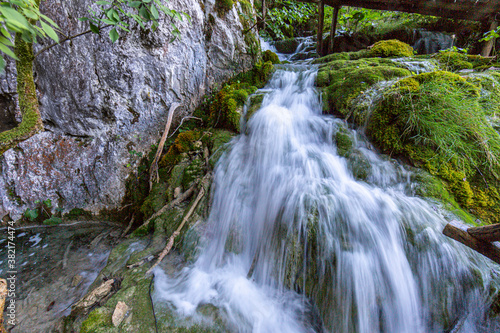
(295,243)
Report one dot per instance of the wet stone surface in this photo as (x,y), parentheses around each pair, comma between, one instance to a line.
(55,268)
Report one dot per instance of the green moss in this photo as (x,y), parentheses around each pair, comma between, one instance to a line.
(192,172)
(255,104)
(218,145)
(28,102)
(183,143)
(436,120)
(345,80)
(155,200)
(77,213)
(344,142)
(343,56)
(54,220)
(226,107)
(286,46)
(391,48)
(270,56)
(223,6)
(98,321)
(453,61)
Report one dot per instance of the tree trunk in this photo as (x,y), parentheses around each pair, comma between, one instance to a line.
(28,102)
(321,20)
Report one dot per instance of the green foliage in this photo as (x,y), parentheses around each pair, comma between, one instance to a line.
(119,14)
(23,17)
(391,48)
(453,61)
(223,6)
(438,122)
(285,16)
(270,56)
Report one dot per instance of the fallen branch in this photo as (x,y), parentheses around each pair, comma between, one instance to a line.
(170,205)
(129,226)
(177,232)
(153,171)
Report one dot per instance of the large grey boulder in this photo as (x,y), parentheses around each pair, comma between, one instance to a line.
(99,101)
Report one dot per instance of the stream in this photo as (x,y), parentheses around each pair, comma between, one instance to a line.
(296,242)
(55,267)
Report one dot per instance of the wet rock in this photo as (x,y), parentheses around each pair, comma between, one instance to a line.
(119,313)
(101,100)
(77,279)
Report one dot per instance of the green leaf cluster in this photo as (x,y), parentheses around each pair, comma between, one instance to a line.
(119,14)
(23,17)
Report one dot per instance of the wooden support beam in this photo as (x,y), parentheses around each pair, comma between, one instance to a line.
(458,232)
(488,46)
(333,28)
(321,22)
(487,233)
(471,10)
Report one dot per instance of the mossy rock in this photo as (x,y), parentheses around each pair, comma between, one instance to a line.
(227,105)
(343,141)
(155,200)
(286,46)
(219,143)
(391,48)
(270,56)
(453,61)
(437,121)
(343,56)
(254,105)
(345,80)
(223,6)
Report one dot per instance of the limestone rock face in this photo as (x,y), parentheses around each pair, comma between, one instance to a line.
(100,101)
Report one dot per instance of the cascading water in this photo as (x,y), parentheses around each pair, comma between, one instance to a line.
(295,243)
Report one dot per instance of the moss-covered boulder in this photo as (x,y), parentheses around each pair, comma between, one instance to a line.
(270,56)
(438,122)
(286,46)
(391,48)
(344,80)
(343,56)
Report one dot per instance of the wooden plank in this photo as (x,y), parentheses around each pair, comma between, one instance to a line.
(458,232)
(321,21)
(487,233)
(333,28)
(480,10)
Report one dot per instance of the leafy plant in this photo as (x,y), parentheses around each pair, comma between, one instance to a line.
(24,17)
(286,16)
(120,13)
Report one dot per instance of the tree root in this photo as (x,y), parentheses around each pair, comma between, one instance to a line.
(171,240)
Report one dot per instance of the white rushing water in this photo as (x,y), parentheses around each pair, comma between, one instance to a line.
(295,243)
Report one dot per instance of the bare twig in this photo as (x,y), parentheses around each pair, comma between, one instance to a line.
(177,232)
(153,171)
(181,124)
(66,39)
(129,226)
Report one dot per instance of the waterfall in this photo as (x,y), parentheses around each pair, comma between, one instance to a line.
(295,243)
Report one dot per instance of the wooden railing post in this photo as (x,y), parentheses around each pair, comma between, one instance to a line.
(321,21)
(488,46)
(333,28)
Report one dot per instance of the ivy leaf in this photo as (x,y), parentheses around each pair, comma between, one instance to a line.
(113,34)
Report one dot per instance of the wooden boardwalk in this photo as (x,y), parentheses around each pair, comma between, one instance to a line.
(485,11)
